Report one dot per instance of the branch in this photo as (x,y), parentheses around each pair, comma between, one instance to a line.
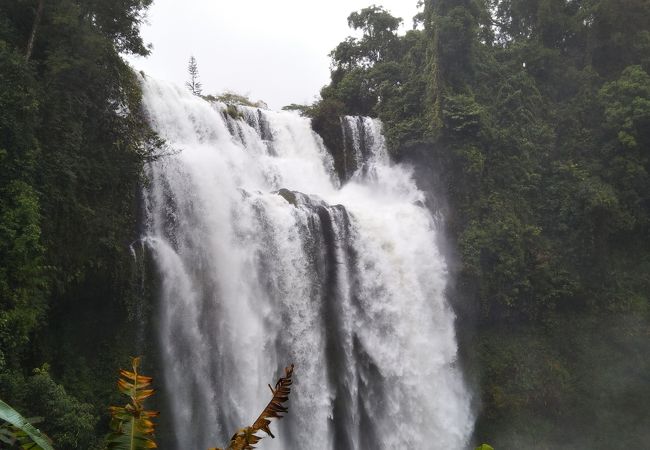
(246,438)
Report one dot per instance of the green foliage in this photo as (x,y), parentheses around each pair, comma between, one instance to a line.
(462,114)
(20,430)
(379,74)
(22,281)
(326,121)
(67,421)
(22,273)
(73,142)
(235,99)
(620,35)
(119,23)
(358,72)
(379,41)
(627,107)
(301,109)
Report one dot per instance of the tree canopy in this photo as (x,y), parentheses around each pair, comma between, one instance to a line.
(73,142)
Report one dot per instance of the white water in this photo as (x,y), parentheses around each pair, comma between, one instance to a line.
(346,283)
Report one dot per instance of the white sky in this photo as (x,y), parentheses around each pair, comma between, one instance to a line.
(272,50)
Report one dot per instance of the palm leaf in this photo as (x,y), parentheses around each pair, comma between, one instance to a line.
(246,438)
(21,430)
(131,425)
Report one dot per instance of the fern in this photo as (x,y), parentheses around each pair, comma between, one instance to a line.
(132,426)
(246,438)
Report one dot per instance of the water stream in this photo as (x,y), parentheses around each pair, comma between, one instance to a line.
(265,260)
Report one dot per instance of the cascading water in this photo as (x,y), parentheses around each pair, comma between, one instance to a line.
(266,260)
(364,147)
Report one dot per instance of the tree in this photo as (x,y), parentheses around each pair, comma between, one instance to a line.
(194,85)
(379,41)
(361,67)
(71,150)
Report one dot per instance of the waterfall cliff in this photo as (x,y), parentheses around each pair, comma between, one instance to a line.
(267,259)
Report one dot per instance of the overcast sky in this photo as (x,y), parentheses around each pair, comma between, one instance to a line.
(272,50)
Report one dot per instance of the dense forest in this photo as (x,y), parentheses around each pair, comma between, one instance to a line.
(72,147)
(529,119)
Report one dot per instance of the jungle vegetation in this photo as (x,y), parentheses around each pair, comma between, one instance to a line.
(132,426)
(72,147)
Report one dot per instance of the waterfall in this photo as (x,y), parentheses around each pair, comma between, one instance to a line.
(364,147)
(266,259)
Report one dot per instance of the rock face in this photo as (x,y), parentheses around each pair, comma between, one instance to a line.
(267,259)
(288,196)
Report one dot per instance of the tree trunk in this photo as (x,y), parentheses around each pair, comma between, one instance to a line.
(32,37)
